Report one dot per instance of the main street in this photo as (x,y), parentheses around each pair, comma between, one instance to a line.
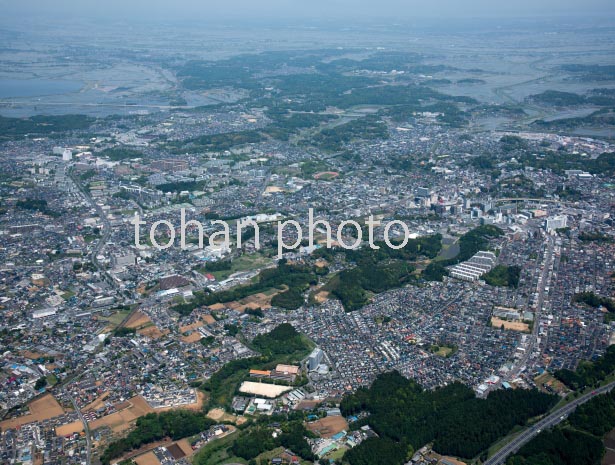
(543,283)
(106,230)
(86,429)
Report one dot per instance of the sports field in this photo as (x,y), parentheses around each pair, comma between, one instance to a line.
(262,389)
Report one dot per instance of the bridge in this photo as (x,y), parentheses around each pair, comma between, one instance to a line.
(526,199)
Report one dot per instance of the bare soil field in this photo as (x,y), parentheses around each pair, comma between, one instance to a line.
(609,458)
(96,404)
(201,398)
(453,461)
(122,420)
(216,413)
(43,408)
(260,300)
(208,319)
(271,189)
(184,445)
(137,320)
(511,325)
(152,332)
(195,336)
(144,450)
(328,426)
(69,428)
(31,355)
(321,296)
(552,382)
(219,414)
(147,459)
(609,444)
(191,327)
(262,389)
(308,404)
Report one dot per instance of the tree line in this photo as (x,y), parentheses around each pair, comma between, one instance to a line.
(175,424)
(450,417)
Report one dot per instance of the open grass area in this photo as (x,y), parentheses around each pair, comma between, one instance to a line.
(115,318)
(225,383)
(243,263)
(67,295)
(547,379)
(266,457)
(52,380)
(216,452)
(448,252)
(442,350)
(337,454)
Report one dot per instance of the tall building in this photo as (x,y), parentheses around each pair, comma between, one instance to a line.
(67,155)
(315,359)
(556,222)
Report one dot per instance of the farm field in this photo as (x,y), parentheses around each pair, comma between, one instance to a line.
(328,426)
(43,408)
(122,420)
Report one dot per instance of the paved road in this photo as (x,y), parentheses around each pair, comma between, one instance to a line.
(102,241)
(551,420)
(86,428)
(521,363)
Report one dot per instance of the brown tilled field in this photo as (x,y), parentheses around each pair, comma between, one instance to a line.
(321,296)
(152,332)
(147,459)
(96,404)
(191,327)
(69,428)
(195,336)
(32,355)
(260,300)
(43,408)
(184,445)
(328,426)
(122,420)
(137,320)
(208,319)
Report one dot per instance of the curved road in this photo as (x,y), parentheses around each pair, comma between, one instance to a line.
(102,241)
(552,419)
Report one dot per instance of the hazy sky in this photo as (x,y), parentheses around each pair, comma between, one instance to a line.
(299,9)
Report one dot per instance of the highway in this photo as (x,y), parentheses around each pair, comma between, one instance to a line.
(86,428)
(549,421)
